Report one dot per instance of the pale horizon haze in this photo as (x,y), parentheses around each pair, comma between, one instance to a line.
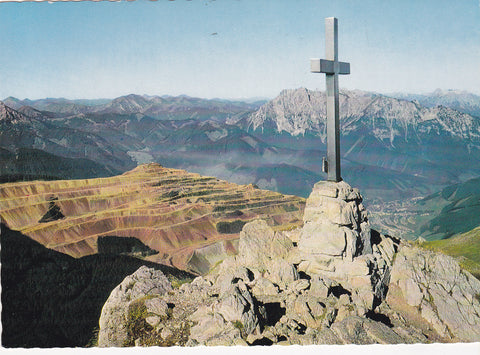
(233,49)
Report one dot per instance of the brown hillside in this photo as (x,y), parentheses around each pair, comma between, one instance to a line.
(171,211)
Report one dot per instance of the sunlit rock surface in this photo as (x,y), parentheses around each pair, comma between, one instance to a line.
(370,289)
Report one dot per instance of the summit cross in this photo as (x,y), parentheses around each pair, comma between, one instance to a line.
(332,68)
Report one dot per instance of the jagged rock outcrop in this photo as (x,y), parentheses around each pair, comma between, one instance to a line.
(11,116)
(249,301)
(443,294)
(116,313)
(275,292)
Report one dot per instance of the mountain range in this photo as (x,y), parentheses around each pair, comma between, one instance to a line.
(379,131)
(392,147)
(463,101)
(161,107)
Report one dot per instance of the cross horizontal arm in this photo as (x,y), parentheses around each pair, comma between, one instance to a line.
(328,66)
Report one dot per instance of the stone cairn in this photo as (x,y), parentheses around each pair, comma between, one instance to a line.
(335,242)
(335,225)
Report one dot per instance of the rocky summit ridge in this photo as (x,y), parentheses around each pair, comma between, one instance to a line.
(332,281)
(298,111)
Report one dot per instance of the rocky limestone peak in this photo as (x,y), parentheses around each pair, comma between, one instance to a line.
(301,110)
(332,281)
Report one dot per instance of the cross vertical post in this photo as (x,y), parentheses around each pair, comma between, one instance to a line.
(333,126)
(332,68)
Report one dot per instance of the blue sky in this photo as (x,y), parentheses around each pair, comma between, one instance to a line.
(234,48)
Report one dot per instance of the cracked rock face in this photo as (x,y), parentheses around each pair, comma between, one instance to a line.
(336,242)
(145,281)
(247,301)
(335,223)
(446,296)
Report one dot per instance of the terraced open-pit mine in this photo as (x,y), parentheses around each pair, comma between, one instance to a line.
(192,221)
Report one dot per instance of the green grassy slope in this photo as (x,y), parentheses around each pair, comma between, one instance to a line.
(465,247)
(456,209)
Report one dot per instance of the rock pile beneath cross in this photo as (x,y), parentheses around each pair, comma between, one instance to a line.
(335,242)
(325,283)
(335,225)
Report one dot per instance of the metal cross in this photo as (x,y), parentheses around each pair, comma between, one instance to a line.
(332,68)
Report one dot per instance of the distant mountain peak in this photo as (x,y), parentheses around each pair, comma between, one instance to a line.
(11,99)
(442,92)
(9,115)
(298,111)
(459,100)
(131,97)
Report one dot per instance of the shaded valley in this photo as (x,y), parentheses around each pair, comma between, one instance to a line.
(452,211)
(50,299)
